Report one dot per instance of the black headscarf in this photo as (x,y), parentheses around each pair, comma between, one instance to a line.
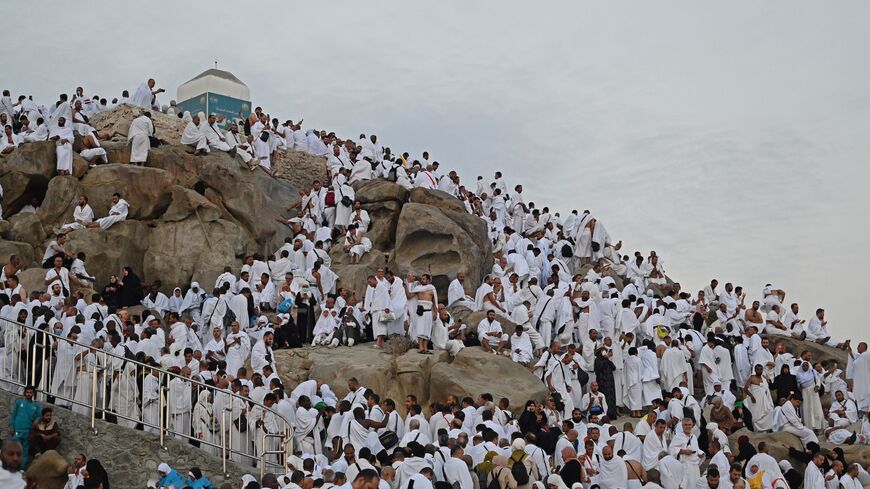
(96,475)
(131,292)
(785,383)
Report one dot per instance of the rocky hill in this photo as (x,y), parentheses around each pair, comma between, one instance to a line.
(191,216)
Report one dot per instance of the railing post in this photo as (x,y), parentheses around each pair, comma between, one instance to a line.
(93,399)
(160,414)
(32,376)
(263,453)
(224,441)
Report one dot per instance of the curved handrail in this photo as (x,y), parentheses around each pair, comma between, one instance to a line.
(113,386)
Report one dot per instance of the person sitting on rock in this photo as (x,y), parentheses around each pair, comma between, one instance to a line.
(492,338)
(45,434)
(214,136)
(194,138)
(93,152)
(78,275)
(356,243)
(55,250)
(327,325)
(82,215)
(117,213)
(9,141)
(241,144)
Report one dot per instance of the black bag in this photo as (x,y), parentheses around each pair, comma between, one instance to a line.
(388,439)
(596,246)
(241,423)
(493,484)
(154,142)
(518,470)
(567,252)
(345,200)
(420,310)
(229,317)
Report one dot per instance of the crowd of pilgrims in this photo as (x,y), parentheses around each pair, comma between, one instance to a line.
(684,370)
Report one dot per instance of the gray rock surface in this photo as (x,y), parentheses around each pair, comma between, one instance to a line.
(130,457)
(442,243)
(395,375)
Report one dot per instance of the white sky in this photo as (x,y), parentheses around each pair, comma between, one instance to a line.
(731,137)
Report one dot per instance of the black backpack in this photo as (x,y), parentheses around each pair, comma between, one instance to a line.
(567,252)
(493,484)
(518,470)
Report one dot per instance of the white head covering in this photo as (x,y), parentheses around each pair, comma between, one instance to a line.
(164,468)
(556,481)
(518,444)
(247,479)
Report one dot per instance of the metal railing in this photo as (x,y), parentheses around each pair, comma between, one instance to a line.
(100,384)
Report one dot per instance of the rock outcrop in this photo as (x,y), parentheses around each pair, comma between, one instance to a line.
(442,242)
(395,375)
(431,234)
(116,123)
(189,216)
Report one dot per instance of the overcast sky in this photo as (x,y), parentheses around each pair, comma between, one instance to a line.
(731,137)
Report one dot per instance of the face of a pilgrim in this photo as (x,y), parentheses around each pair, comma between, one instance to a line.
(61,122)
(687,425)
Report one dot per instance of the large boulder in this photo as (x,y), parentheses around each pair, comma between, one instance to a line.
(442,242)
(23,250)
(108,251)
(178,252)
(32,279)
(383,201)
(60,201)
(116,123)
(474,371)
(299,168)
(186,203)
(18,189)
(437,198)
(254,199)
(379,190)
(117,152)
(184,167)
(397,374)
(27,228)
(36,160)
(353,276)
(147,190)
